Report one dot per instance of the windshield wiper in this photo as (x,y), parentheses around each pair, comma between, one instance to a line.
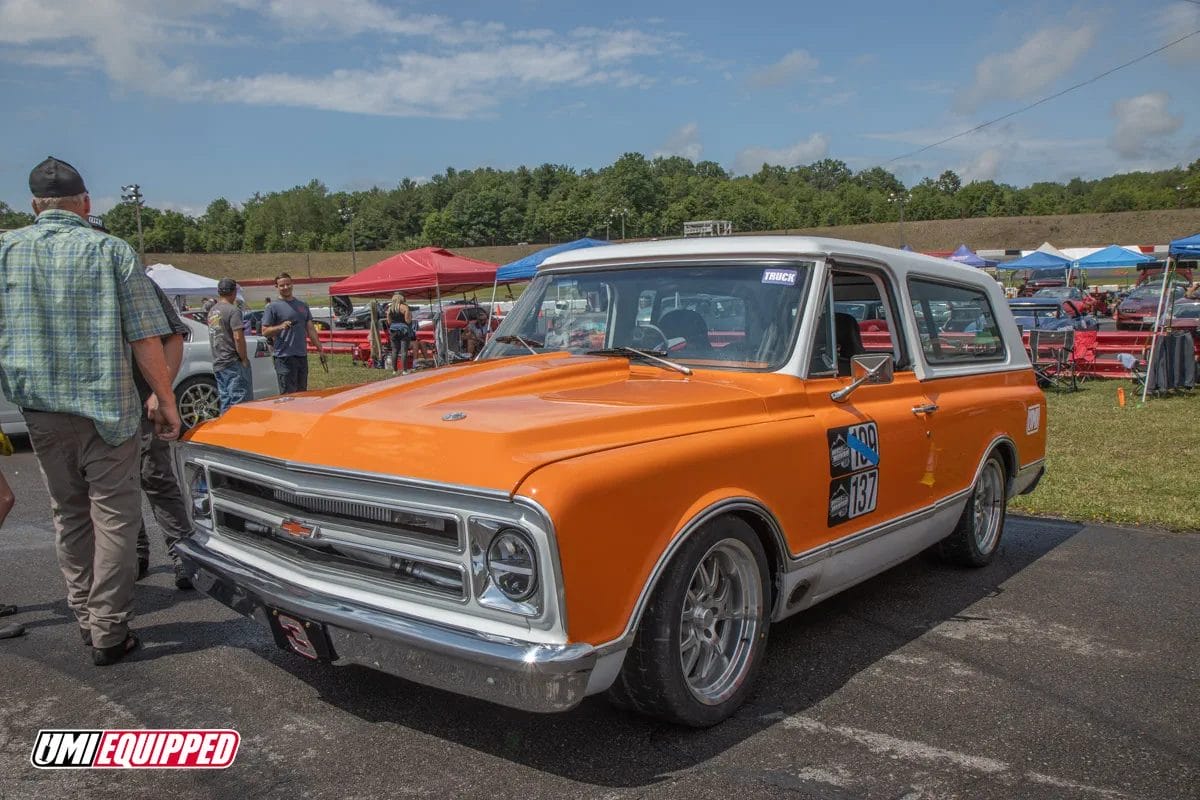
(654,356)
(511,338)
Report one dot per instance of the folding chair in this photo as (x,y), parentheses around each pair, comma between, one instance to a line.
(1083,353)
(1134,364)
(1051,352)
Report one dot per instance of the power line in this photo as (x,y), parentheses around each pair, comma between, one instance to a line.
(1046,99)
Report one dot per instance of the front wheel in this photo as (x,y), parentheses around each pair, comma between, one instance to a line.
(976,537)
(701,640)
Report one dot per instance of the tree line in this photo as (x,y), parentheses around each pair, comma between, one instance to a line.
(636,196)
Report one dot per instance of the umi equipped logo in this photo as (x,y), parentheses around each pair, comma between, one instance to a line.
(135,749)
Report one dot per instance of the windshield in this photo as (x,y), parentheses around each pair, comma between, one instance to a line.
(732,316)
(1060,291)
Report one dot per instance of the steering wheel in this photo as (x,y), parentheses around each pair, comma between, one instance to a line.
(640,338)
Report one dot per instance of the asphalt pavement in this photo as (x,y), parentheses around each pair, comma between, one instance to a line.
(1066,669)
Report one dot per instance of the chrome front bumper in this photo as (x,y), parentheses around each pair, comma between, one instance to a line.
(524,675)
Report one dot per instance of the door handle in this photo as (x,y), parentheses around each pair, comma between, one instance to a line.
(928,408)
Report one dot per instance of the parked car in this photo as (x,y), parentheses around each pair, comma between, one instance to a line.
(871,315)
(1068,296)
(1138,309)
(1049,314)
(195,385)
(647,512)
(1042,279)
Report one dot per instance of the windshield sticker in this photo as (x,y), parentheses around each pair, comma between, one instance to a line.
(852,496)
(853,447)
(779,277)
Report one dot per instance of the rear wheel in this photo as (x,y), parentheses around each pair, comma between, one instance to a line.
(197,400)
(976,537)
(701,640)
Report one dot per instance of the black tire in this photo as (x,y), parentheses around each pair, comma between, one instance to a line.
(976,538)
(652,679)
(196,400)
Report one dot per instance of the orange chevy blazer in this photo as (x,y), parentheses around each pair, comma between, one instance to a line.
(665,449)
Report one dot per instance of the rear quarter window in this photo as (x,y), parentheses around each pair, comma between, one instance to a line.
(956,323)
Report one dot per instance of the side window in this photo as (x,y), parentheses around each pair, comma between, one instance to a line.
(956,323)
(823,361)
(853,321)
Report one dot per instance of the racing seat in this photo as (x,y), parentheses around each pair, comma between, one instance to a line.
(849,341)
(689,325)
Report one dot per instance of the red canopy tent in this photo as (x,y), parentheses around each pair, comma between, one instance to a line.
(427,270)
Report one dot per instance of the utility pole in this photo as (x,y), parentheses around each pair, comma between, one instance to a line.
(617,212)
(347,214)
(900,197)
(133,194)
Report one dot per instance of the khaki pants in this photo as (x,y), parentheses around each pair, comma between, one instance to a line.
(96,501)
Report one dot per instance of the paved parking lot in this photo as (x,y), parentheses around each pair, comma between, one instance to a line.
(1067,669)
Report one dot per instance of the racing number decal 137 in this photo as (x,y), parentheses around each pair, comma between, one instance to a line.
(852,496)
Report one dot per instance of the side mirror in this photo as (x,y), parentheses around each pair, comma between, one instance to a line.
(869,368)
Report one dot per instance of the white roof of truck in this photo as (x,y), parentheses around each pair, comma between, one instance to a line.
(791,247)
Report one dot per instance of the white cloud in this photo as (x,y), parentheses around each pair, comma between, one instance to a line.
(1019,154)
(784,71)
(141,45)
(1142,123)
(1041,59)
(1174,21)
(457,85)
(983,167)
(683,142)
(807,150)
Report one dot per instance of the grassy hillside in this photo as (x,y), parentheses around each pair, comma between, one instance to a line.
(1076,230)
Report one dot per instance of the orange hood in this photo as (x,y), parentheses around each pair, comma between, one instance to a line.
(520,414)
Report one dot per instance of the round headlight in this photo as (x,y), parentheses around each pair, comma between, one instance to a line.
(512,564)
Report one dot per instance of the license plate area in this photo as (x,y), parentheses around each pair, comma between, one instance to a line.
(302,636)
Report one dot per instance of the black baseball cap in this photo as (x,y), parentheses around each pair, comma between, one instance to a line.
(97,223)
(55,178)
(226,286)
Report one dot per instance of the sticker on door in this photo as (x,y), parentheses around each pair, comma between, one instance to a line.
(853,447)
(852,496)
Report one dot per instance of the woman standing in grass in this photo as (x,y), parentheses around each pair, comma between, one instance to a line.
(399,320)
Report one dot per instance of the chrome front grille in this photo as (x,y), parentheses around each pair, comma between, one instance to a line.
(402,549)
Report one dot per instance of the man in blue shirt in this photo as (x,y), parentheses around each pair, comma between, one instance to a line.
(289,321)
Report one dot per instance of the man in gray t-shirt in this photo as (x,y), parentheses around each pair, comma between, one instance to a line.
(290,322)
(228,342)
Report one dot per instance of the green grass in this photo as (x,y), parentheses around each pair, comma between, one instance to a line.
(1135,465)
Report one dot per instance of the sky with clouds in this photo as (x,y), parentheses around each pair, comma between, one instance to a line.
(197,99)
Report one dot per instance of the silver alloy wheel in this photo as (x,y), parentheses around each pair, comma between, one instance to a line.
(989,506)
(197,403)
(721,619)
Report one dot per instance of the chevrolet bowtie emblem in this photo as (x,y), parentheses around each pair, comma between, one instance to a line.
(298,529)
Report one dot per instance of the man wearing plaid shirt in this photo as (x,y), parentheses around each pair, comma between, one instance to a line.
(73,304)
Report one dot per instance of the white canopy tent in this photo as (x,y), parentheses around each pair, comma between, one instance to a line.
(177,283)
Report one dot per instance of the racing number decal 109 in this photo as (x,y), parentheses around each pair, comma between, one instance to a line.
(853,465)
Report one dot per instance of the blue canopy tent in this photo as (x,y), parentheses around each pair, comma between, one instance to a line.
(1036,260)
(523,269)
(965,255)
(1112,256)
(1188,247)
